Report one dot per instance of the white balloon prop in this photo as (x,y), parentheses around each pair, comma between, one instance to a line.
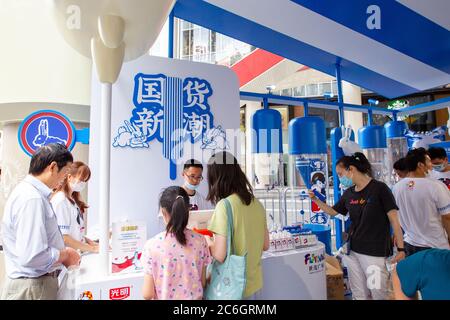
(348,146)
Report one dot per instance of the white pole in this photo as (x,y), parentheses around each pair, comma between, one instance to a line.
(104,177)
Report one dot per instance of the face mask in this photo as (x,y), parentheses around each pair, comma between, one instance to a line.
(191,186)
(78,186)
(440,167)
(346,181)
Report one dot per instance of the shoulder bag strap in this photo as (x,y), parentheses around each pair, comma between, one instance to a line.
(229,225)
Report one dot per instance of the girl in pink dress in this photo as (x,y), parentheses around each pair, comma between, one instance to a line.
(175,260)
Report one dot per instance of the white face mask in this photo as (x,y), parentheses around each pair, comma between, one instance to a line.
(77,186)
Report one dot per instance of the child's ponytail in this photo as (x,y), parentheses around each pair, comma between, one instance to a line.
(175,201)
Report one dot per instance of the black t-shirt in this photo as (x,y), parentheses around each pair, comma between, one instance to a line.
(370,228)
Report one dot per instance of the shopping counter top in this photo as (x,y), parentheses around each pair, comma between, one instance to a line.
(291,274)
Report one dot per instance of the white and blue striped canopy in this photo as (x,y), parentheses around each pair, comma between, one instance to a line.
(392,47)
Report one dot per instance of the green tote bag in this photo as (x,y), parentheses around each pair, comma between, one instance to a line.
(227,278)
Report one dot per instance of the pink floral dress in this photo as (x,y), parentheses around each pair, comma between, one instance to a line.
(176,269)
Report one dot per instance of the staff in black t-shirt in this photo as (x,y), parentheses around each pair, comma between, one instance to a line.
(373,211)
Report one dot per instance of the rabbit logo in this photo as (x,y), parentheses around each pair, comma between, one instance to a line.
(43,138)
(215,138)
(130,135)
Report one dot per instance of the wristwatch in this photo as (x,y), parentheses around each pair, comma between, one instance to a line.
(401,249)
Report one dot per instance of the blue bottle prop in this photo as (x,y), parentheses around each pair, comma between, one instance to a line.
(267,149)
(372,140)
(308,157)
(397,145)
(267,162)
(309,168)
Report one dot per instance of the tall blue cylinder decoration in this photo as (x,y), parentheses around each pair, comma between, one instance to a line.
(397,145)
(266,124)
(309,168)
(267,162)
(372,140)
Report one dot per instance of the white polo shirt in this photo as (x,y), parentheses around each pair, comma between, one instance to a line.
(70,219)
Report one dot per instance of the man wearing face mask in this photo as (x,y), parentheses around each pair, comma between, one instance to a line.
(70,208)
(33,245)
(193,175)
(441,169)
(424,206)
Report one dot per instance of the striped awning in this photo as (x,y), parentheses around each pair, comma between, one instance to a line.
(391,47)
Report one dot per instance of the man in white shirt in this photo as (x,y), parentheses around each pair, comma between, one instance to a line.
(441,169)
(192,174)
(424,206)
(32,243)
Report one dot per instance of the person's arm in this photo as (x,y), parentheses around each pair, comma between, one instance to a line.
(322,205)
(68,257)
(90,242)
(78,245)
(398,234)
(33,250)
(446,225)
(266,240)
(204,276)
(442,200)
(398,292)
(218,247)
(219,226)
(148,288)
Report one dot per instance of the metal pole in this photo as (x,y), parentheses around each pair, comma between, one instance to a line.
(266,103)
(340,96)
(104,174)
(172,164)
(369,117)
(306,108)
(171,33)
(394,116)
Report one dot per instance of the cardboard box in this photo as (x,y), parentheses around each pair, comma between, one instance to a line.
(335,279)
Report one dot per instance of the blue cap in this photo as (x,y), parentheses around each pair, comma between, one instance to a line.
(267,134)
(395,129)
(307,135)
(370,137)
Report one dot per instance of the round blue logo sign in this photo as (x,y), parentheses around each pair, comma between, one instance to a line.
(44,127)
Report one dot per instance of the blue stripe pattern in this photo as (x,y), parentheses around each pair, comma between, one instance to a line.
(401,28)
(173,118)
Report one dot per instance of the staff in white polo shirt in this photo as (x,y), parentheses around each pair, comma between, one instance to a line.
(69,208)
(32,243)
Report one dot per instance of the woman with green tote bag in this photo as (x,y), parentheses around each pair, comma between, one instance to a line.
(239,227)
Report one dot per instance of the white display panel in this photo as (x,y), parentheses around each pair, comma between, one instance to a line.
(139,168)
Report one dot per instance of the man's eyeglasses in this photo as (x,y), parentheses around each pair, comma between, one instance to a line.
(194,178)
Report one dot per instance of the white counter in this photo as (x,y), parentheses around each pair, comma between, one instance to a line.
(292,274)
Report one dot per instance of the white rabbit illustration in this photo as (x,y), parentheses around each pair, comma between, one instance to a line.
(129,135)
(42,138)
(215,138)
